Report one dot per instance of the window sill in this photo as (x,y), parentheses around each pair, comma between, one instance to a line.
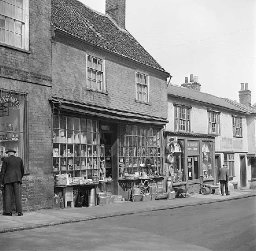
(100,92)
(142,102)
(237,136)
(15,48)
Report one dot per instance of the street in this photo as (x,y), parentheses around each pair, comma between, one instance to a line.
(229,225)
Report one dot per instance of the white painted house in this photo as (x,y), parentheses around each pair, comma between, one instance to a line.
(210,131)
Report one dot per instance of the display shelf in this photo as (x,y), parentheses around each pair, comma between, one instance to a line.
(75,151)
(139,146)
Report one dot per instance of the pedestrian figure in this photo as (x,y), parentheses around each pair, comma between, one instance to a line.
(2,185)
(223,178)
(12,171)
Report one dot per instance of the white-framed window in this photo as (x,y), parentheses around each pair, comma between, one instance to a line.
(230,161)
(214,122)
(182,118)
(95,74)
(142,88)
(237,126)
(14,23)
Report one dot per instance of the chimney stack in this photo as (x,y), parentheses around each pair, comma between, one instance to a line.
(116,10)
(193,84)
(245,95)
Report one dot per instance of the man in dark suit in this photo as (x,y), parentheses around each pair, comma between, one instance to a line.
(12,171)
(223,178)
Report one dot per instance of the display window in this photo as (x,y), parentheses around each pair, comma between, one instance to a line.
(76,147)
(140,151)
(207,159)
(13,124)
(175,159)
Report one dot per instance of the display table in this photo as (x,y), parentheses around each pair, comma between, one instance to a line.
(129,185)
(88,190)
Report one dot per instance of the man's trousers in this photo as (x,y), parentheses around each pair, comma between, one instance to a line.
(224,183)
(12,189)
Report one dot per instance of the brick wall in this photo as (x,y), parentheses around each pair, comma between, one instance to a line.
(30,72)
(69,81)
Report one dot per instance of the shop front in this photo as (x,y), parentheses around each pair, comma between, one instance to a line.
(100,157)
(189,160)
(13,123)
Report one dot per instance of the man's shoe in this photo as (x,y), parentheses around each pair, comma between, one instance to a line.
(7,214)
(20,214)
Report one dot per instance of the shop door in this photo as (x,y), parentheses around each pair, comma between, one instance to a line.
(193,168)
(253,167)
(217,166)
(243,173)
(108,138)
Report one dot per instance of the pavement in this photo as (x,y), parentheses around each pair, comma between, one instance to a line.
(52,217)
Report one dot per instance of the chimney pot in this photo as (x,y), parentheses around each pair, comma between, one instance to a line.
(186,79)
(245,95)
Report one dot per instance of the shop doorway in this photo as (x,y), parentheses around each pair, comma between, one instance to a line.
(243,173)
(108,138)
(217,166)
(253,168)
(193,168)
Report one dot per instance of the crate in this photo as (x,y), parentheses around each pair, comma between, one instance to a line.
(137,197)
(68,196)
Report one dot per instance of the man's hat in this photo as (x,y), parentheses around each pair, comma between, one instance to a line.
(10,150)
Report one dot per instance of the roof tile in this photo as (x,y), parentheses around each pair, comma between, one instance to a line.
(78,20)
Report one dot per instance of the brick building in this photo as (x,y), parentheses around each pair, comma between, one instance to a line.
(79,96)
(25,88)
(109,96)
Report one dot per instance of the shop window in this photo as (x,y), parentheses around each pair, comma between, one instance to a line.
(142,94)
(14,23)
(13,124)
(207,163)
(214,122)
(76,148)
(230,161)
(237,126)
(95,74)
(140,151)
(182,118)
(175,159)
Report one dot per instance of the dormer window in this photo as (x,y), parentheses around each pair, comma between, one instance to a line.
(14,23)
(95,74)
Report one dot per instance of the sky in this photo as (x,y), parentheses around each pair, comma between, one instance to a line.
(212,39)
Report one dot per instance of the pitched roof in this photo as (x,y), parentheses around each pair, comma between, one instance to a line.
(198,96)
(80,21)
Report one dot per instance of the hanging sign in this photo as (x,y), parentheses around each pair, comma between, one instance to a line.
(10,100)
(192,147)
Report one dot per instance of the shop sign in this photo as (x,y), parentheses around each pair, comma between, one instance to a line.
(10,100)
(7,101)
(193,147)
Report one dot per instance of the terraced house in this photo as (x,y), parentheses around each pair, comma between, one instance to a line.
(204,132)
(81,100)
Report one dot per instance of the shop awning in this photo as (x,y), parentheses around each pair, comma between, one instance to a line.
(104,112)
